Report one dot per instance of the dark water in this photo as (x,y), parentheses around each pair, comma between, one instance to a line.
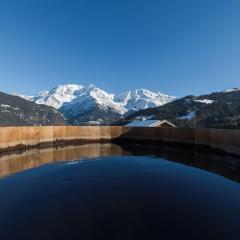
(119,197)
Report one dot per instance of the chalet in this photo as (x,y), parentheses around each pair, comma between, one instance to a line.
(151,123)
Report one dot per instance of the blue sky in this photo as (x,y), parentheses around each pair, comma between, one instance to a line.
(179,47)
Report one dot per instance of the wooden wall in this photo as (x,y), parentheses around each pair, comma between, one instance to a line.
(227,140)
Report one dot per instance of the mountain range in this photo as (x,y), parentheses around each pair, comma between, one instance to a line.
(15,111)
(91,105)
(215,110)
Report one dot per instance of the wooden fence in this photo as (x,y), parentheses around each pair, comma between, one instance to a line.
(223,139)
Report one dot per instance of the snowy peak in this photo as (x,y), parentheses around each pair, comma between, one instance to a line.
(105,100)
(90,98)
(67,89)
(141,99)
(77,100)
(41,94)
(58,95)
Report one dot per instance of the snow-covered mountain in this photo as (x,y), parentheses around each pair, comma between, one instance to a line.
(58,95)
(141,99)
(214,110)
(77,101)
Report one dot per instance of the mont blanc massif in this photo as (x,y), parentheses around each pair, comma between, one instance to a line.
(74,104)
(91,105)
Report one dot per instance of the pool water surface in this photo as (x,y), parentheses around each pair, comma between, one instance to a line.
(113,195)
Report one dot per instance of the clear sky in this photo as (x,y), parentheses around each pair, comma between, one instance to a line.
(179,47)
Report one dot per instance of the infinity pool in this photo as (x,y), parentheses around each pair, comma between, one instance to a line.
(112,192)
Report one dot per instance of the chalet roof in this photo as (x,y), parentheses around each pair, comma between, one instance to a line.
(148,123)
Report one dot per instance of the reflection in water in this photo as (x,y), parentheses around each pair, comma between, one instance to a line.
(10,164)
(220,164)
(114,195)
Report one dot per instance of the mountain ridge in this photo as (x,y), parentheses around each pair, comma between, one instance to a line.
(74,100)
(214,110)
(16,111)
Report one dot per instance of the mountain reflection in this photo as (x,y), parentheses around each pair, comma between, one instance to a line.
(224,165)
